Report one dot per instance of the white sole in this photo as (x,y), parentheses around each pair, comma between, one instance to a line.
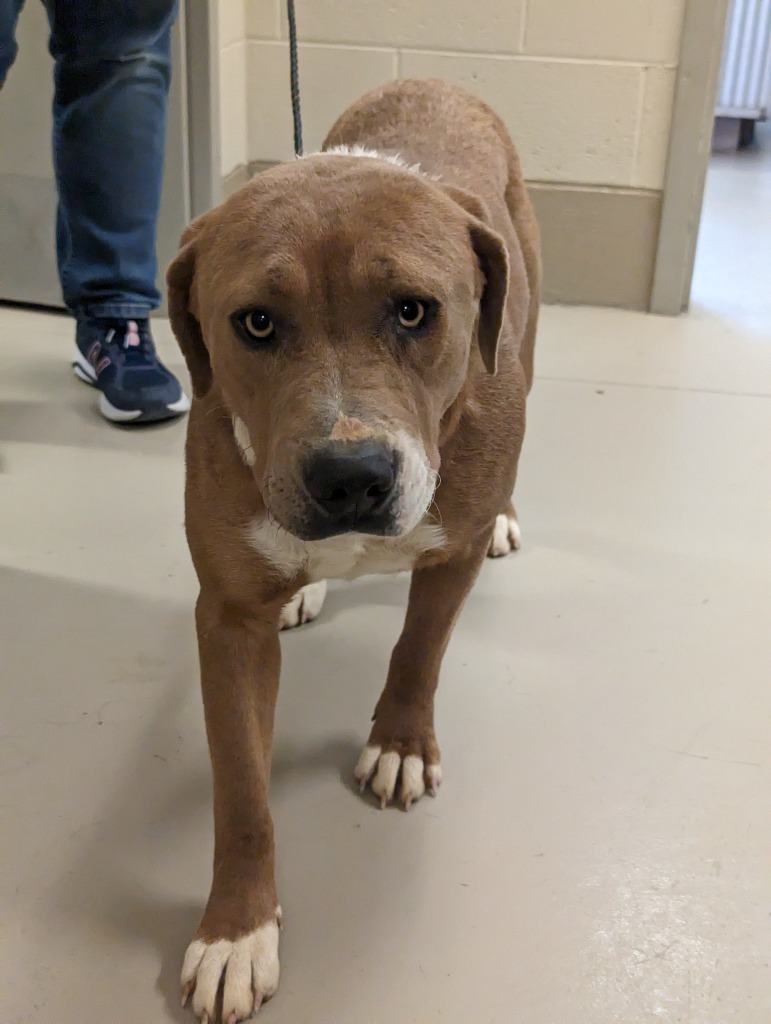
(84,371)
(181,405)
(115,415)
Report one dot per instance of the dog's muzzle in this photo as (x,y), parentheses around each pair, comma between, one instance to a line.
(352,486)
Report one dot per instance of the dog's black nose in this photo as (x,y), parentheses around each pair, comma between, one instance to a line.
(351,480)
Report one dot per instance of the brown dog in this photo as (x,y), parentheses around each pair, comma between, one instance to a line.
(359,329)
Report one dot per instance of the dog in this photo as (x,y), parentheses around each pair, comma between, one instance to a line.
(359,328)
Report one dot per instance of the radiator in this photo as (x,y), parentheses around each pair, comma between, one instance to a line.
(745,81)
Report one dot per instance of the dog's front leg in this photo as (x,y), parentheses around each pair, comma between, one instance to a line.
(402,755)
(238,936)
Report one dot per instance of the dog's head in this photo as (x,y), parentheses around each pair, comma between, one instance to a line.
(338,303)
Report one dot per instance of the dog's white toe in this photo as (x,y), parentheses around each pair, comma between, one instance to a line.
(389,774)
(507,536)
(304,607)
(249,967)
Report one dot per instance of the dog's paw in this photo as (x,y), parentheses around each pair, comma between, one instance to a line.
(393,776)
(247,970)
(304,607)
(507,536)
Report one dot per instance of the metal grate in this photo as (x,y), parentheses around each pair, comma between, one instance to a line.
(745,81)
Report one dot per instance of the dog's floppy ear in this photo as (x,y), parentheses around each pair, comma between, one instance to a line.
(187,330)
(493,261)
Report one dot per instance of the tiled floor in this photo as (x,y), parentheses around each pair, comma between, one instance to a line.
(601,850)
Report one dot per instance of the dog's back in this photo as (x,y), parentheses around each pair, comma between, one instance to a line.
(457,137)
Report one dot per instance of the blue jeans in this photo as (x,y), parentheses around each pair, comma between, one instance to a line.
(111,83)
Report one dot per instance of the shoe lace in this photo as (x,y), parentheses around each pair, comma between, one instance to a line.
(136,345)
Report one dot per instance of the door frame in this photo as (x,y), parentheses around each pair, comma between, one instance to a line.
(201,97)
(191,179)
(690,139)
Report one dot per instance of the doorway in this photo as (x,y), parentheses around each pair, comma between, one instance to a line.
(724,41)
(734,248)
(733,255)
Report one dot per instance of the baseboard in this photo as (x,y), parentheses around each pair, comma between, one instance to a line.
(234,180)
(599,244)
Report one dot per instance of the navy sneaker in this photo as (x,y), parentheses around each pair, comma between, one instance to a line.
(119,358)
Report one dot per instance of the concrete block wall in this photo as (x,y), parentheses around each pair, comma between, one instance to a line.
(585,86)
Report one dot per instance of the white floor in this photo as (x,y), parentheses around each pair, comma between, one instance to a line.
(601,850)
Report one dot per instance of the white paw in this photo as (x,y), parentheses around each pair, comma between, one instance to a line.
(249,967)
(304,606)
(507,536)
(387,772)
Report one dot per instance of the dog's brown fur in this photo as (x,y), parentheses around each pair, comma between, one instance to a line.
(325,238)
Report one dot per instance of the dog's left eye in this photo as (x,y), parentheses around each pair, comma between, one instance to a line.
(411,313)
(257,325)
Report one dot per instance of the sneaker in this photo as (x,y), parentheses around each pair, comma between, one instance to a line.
(119,358)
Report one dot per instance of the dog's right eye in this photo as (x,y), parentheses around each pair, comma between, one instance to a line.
(256,325)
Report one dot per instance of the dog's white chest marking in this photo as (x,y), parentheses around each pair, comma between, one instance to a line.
(344,557)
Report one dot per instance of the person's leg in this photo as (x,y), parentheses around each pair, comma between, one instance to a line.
(113,68)
(9,15)
(112,74)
